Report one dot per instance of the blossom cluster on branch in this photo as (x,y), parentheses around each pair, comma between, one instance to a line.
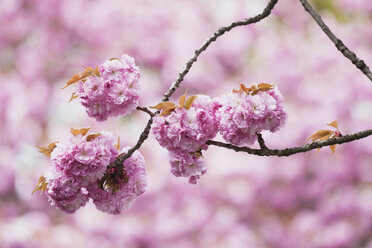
(112,89)
(85,166)
(81,170)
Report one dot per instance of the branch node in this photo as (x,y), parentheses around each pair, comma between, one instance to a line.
(261,142)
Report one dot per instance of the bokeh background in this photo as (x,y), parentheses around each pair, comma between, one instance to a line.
(304,201)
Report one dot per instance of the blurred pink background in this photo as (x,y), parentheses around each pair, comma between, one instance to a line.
(304,201)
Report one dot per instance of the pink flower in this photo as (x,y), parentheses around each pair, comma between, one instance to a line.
(184,134)
(85,161)
(129,187)
(65,193)
(115,92)
(187,130)
(243,115)
(187,165)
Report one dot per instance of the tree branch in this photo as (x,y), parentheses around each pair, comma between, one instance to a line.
(146,110)
(360,64)
(265,13)
(261,142)
(145,133)
(294,150)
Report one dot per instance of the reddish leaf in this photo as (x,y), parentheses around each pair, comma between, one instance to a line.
(73,96)
(333,148)
(167,111)
(242,86)
(182,99)
(89,71)
(91,137)
(333,124)
(47,150)
(41,185)
(189,102)
(325,137)
(264,86)
(82,131)
(319,134)
(118,144)
(75,78)
(164,105)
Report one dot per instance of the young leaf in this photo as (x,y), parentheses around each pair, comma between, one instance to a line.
(333,124)
(164,105)
(333,148)
(76,132)
(89,71)
(91,137)
(319,134)
(242,86)
(118,144)
(41,185)
(265,86)
(73,96)
(189,102)
(325,137)
(75,78)
(47,150)
(181,102)
(167,111)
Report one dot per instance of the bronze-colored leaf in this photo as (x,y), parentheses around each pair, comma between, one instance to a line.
(319,134)
(82,131)
(325,137)
(41,185)
(89,71)
(93,136)
(167,111)
(96,71)
(265,86)
(73,96)
(254,92)
(47,150)
(75,78)
(118,144)
(164,105)
(333,124)
(189,102)
(182,99)
(242,86)
(333,148)
(111,59)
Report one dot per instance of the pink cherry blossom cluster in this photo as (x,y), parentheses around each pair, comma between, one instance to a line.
(114,92)
(79,166)
(184,133)
(239,116)
(242,116)
(129,187)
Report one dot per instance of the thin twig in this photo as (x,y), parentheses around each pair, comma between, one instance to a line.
(145,133)
(146,110)
(360,64)
(266,12)
(294,150)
